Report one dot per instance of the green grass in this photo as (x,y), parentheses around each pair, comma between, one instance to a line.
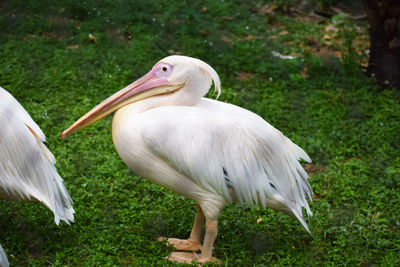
(347,124)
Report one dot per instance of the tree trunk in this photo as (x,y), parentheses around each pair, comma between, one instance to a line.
(384,61)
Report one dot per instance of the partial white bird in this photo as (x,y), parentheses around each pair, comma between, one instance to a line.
(27,171)
(3,258)
(212,152)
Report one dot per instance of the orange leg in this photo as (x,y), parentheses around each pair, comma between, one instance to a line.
(193,242)
(209,239)
(206,254)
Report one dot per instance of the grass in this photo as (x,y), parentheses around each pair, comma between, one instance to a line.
(321,100)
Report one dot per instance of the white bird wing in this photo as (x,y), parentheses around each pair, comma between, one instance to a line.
(221,147)
(3,258)
(27,168)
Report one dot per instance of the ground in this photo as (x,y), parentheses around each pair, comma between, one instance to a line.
(61,59)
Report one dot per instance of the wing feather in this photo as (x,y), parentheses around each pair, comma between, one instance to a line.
(3,258)
(7,100)
(215,141)
(27,170)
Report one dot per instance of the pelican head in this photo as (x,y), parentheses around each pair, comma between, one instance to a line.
(185,79)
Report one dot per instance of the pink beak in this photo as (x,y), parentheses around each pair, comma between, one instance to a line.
(132,93)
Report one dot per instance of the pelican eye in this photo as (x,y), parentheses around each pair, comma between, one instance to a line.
(163,70)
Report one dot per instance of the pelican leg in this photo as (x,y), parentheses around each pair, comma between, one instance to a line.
(193,242)
(211,234)
(206,254)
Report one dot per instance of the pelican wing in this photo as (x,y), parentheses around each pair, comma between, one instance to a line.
(27,170)
(3,258)
(225,148)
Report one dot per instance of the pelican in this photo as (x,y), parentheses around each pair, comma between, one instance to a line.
(215,153)
(27,171)
(3,258)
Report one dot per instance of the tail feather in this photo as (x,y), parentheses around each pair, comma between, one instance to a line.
(297,151)
(293,209)
(59,201)
(299,216)
(51,191)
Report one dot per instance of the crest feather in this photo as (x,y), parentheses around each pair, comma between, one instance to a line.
(204,67)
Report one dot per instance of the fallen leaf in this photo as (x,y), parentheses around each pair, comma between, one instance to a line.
(228,18)
(310,17)
(250,37)
(29,37)
(204,9)
(243,76)
(177,21)
(303,73)
(173,52)
(268,9)
(283,32)
(259,220)
(326,52)
(226,40)
(364,62)
(295,54)
(72,46)
(92,38)
(330,27)
(328,36)
(311,169)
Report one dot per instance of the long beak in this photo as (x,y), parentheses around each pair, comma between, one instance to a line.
(148,85)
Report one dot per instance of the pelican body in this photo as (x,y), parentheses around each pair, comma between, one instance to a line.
(27,171)
(215,153)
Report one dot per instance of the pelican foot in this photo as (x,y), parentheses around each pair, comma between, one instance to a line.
(189,257)
(182,244)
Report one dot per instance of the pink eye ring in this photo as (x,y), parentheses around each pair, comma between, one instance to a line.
(163,70)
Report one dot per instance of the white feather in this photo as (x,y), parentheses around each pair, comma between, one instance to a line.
(3,258)
(27,170)
(201,141)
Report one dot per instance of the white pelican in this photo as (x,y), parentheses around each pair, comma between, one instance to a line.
(27,171)
(212,152)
